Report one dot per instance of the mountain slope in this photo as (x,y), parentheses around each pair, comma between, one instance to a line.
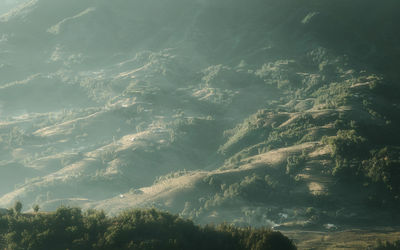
(264,113)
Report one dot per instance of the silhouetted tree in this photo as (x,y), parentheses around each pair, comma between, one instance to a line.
(18,207)
(36,208)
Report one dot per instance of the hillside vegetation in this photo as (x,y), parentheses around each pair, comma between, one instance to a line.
(69,228)
(269,113)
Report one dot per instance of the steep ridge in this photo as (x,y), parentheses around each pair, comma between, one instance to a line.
(264,113)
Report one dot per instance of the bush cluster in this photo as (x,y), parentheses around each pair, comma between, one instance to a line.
(70,228)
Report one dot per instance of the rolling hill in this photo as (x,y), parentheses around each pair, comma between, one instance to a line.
(265,113)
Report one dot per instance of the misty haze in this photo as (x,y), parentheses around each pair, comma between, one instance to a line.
(199,124)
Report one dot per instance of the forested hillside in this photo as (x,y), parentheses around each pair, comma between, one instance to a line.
(266,113)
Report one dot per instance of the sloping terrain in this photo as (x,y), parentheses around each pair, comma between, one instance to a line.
(265,113)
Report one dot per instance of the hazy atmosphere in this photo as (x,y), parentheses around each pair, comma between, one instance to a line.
(280,114)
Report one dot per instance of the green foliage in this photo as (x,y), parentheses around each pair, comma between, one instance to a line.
(355,156)
(333,95)
(254,129)
(347,149)
(69,228)
(264,131)
(292,133)
(346,144)
(255,188)
(295,163)
(18,207)
(384,167)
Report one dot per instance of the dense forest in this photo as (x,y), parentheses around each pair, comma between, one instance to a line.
(70,228)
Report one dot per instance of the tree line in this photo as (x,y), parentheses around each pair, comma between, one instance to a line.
(72,228)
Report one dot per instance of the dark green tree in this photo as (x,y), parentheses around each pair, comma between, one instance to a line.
(18,207)
(36,208)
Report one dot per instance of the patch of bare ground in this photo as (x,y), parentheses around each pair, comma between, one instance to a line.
(166,189)
(276,156)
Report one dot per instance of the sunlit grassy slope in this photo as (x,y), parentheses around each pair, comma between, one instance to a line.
(267,113)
